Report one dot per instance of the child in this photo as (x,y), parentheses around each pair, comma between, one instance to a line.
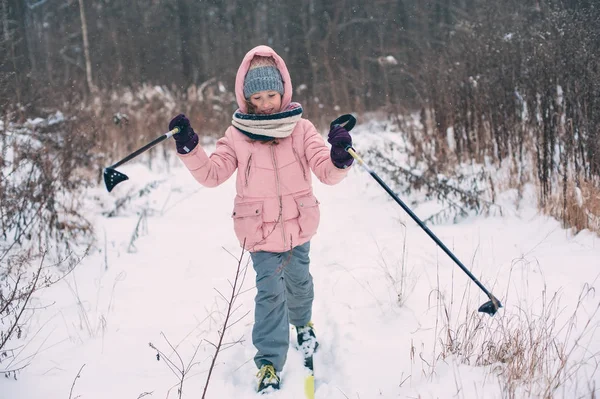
(275,213)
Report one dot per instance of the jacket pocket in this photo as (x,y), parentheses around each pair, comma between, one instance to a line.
(247,222)
(309,215)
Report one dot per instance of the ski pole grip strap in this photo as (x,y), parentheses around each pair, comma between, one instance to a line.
(347,121)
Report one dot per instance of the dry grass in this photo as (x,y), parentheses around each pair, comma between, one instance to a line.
(401,280)
(535,350)
(578,206)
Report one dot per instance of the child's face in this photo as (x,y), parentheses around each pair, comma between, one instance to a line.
(266,102)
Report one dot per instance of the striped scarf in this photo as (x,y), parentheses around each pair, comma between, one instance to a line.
(268,127)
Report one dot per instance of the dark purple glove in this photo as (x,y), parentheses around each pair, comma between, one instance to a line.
(186,140)
(339,138)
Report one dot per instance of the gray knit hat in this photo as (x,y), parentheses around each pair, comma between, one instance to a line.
(262,75)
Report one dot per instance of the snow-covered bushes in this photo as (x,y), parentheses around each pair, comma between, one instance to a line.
(40,221)
(413,159)
(409,167)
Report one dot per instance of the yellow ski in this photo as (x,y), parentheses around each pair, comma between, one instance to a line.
(309,381)
(309,387)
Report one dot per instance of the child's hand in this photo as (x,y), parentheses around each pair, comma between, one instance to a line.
(186,139)
(185,129)
(340,139)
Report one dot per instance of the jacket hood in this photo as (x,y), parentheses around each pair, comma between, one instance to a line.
(264,51)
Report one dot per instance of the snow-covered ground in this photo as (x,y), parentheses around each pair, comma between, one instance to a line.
(164,285)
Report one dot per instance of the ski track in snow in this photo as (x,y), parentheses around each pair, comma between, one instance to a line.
(369,346)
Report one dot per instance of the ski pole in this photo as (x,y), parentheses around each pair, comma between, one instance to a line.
(491,306)
(113,177)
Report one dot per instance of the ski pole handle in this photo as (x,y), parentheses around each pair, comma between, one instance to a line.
(358,159)
(173,132)
(346,121)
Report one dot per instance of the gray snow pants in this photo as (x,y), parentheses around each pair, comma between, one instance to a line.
(284,295)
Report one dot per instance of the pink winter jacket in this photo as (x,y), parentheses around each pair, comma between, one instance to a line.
(275,208)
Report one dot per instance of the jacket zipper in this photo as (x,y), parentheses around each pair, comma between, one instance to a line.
(301,164)
(279,195)
(248,169)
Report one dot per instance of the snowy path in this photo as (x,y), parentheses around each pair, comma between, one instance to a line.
(370,346)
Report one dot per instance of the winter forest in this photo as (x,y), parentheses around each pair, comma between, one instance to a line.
(482,115)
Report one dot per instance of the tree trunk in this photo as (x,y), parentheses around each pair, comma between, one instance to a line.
(184,33)
(16,53)
(86,49)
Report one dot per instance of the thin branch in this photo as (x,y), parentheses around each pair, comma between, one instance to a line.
(36,5)
(174,350)
(240,319)
(12,296)
(31,291)
(172,366)
(223,296)
(225,323)
(75,380)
